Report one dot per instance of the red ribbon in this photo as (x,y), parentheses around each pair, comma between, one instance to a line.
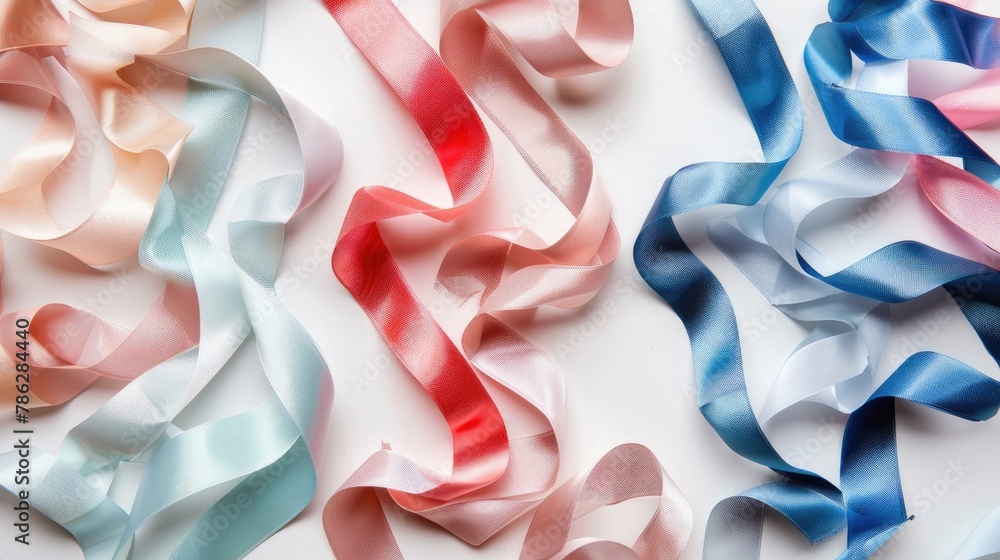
(495,479)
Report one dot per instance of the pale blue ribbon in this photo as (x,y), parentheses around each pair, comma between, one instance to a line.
(275,448)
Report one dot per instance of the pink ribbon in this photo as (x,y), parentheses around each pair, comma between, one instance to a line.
(73,348)
(966,200)
(626,472)
(494,478)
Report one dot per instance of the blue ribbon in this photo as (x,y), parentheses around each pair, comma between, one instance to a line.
(920,30)
(869,502)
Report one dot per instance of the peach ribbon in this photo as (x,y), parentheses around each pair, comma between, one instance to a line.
(72,347)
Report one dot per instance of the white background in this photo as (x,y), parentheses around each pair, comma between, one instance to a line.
(632,379)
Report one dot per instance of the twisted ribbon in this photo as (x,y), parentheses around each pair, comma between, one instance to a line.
(275,449)
(73,348)
(494,479)
(869,501)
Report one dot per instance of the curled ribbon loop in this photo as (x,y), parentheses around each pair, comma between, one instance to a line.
(764,243)
(494,478)
(282,439)
(137,128)
(626,472)
(910,124)
(74,347)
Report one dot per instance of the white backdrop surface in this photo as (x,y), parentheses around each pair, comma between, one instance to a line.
(629,378)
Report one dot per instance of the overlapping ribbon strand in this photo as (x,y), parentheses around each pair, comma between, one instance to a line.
(568,272)
(875,506)
(72,347)
(929,30)
(811,503)
(494,478)
(666,263)
(835,365)
(853,177)
(83,452)
(626,472)
(763,242)
(283,437)
(364,265)
(145,138)
(936,127)
(580,259)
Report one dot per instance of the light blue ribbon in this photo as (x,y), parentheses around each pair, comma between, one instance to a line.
(275,448)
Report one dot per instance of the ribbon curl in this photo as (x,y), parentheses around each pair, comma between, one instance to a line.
(74,347)
(868,502)
(494,478)
(282,439)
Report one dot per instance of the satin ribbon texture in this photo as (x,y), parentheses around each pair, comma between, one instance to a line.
(74,347)
(276,449)
(495,478)
(847,309)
